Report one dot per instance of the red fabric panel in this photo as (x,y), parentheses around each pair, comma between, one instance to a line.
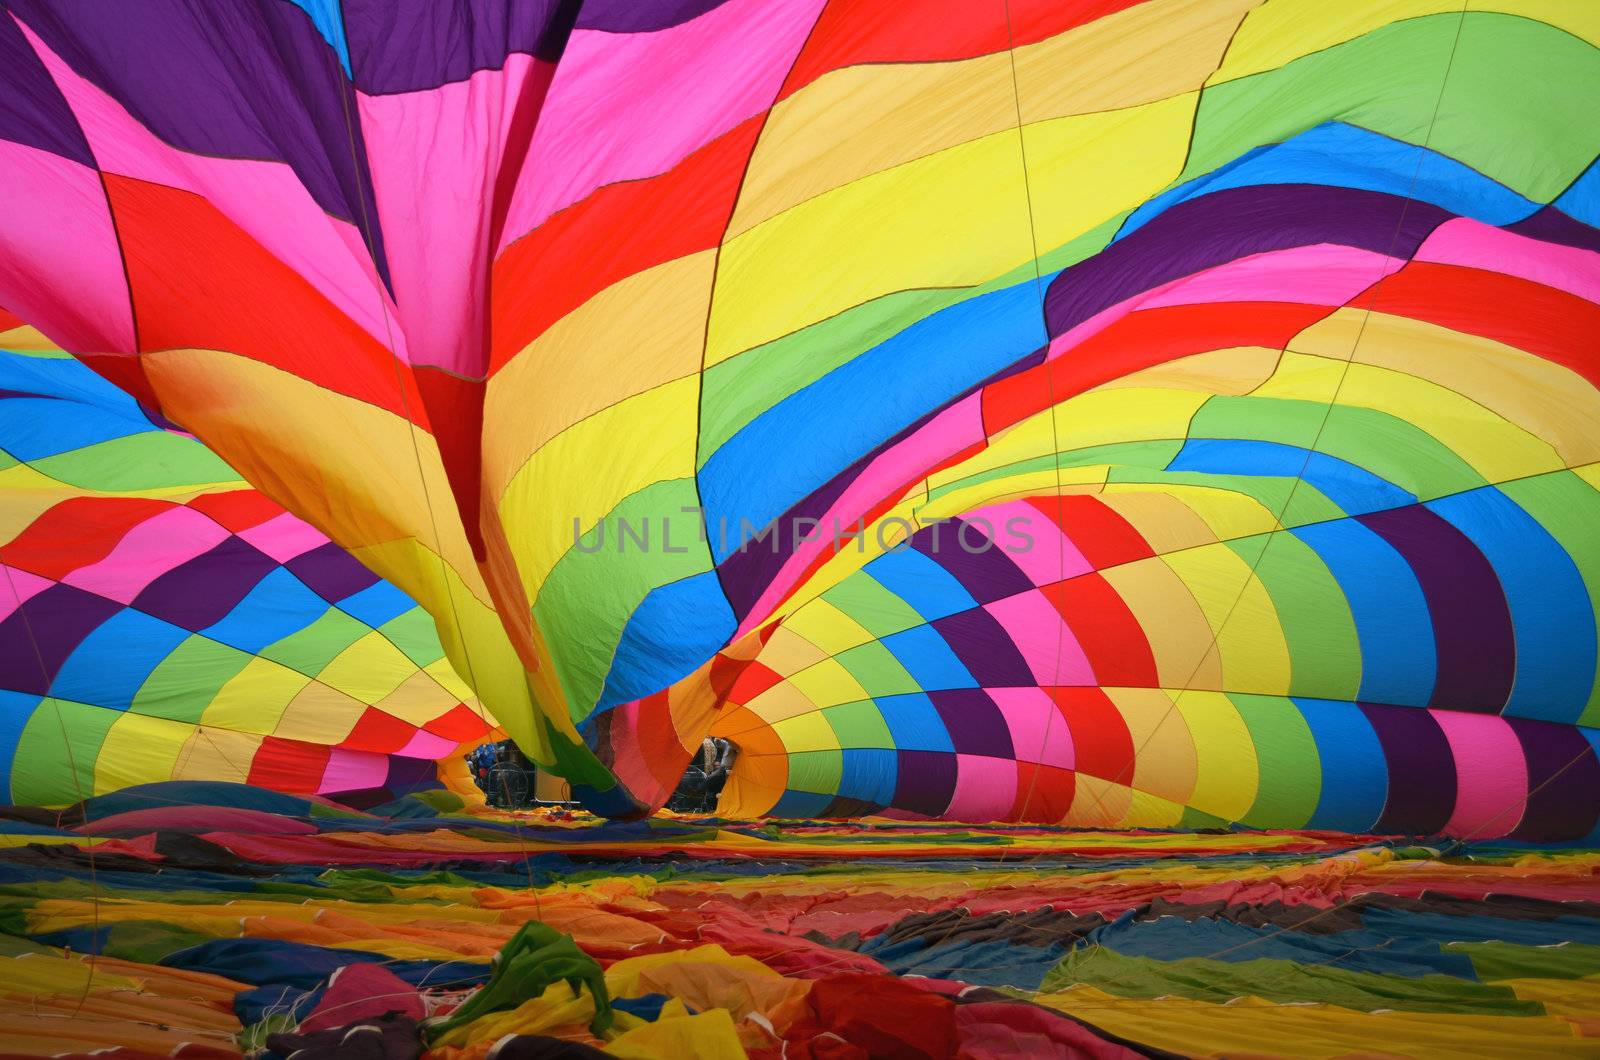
(1110,635)
(289,765)
(1103,536)
(78,532)
(1102,746)
(1141,340)
(618,231)
(199,281)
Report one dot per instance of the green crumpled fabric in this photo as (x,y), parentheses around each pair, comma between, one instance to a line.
(531,960)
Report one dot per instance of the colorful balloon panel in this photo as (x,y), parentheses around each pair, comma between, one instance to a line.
(1280,321)
(160,619)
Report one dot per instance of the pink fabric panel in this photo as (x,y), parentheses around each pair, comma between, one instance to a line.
(149,550)
(985,788)
(1038,731)
(625,106)
(60,268)
(1491,774)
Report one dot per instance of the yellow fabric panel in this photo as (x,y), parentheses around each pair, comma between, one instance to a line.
(1227,777)
(860,120)
(1137,152)
(782,700)
(956,218)
(1087,479)
(828,683)
(217,754)
(138,750)
(477,648)
(787,652)
(1497,450)
(807,732)
(632,337)
(1128,414)
(1151,811)
(1180,637)
(1590,473)
(1555,403)
(369,669)
(1226,514)
(1098,803)
(445,676)
(1252,1027)
(1278,33)
(1165,762)
(28,339)
(1255,657)
(1165,522)
(586,471)
(1148,52)
(828,627)
(417,700)
(1237,370)
(320,714)
(255,698)
(366,490)
(28,495)
(1578,998)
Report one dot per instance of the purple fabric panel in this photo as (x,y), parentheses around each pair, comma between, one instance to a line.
(1472,631)
(925,782)
(199,593)
(1231,224)
(975,724)
(229,78)
(746,574)
(410,774)
(37,637)
(985,648)
(331,572)
(32,110)
(407,45)
(641,16)
(973,558)
(1422,771)
(1563,782)
(1553,226)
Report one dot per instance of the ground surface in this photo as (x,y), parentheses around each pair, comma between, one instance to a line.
(218,914)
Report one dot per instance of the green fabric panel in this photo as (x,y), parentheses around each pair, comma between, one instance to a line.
(148,941)
(55,755)
(876,669)
(816,771)
(1282,981)
(153,459)
(873,607)
(415,635)
(591,595)
(1290,769)
(1518,105)
(311,649)
(1508,960)
(1564,505)
(1193,818)
(183,684)
(1390,448)
(738,390)
(1324,651)
(859,724)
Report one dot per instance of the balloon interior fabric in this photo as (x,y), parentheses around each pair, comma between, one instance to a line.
(160,619)
(1271,325)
